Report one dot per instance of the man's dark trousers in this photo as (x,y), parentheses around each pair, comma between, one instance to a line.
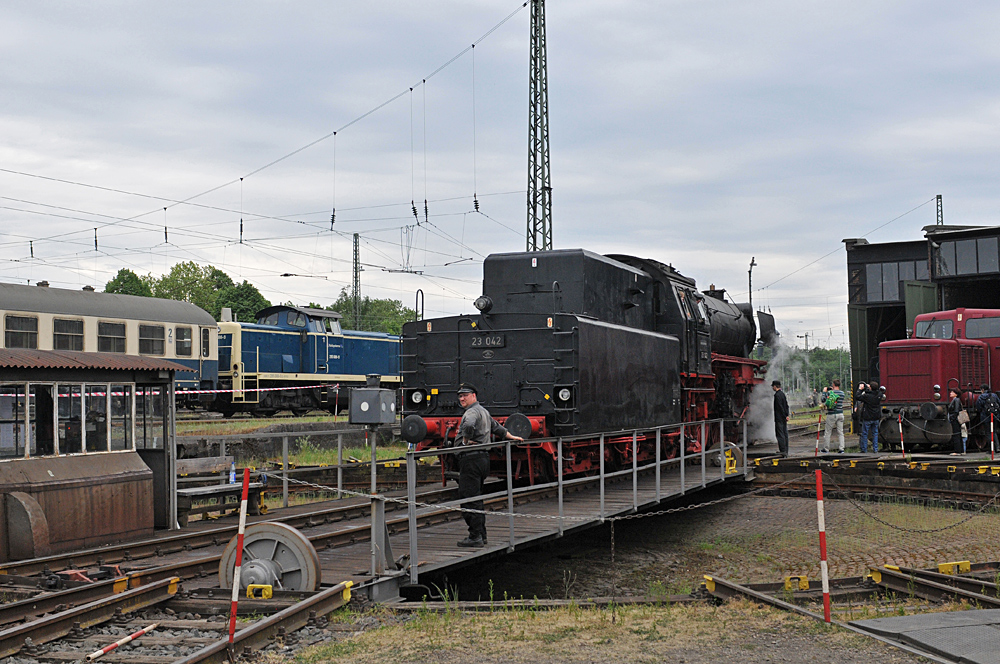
(474,468)
(781,433)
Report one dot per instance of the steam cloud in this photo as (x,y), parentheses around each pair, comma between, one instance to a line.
(783,366)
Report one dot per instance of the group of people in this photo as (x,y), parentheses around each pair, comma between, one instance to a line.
(986,406)
(868,400)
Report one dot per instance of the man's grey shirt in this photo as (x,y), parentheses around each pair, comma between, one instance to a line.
(476,425)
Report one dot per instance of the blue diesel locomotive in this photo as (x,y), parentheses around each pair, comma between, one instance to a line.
(298,359)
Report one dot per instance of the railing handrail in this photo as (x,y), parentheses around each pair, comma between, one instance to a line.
(458,449)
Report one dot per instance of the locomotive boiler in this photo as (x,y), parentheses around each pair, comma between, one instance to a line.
(572,344)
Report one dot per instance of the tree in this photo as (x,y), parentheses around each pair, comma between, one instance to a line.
(189,282)
(127,282)
(244,299)
(377,315)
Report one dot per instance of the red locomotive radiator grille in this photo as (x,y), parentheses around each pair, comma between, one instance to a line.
(972,365)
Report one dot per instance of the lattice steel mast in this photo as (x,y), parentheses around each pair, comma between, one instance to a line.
(357,282)
(539,177)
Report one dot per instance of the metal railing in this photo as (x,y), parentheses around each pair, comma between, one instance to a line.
(561,483)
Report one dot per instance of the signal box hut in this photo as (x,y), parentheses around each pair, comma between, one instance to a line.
(86,449)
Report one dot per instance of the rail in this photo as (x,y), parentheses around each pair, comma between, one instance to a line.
(681,461)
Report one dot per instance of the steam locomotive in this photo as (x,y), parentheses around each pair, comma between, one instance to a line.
(571,344)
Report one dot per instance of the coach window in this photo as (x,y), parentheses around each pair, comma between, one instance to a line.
(110,337)
(20,331)
(12,425)
(206,348)
(151,339)
(95,408)
(121,418)
(183,341)
(295,319)
(67,334)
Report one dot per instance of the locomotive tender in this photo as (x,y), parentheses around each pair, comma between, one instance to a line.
(958,348)
(304,351)
(570,343)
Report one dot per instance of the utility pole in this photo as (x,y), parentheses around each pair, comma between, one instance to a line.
(806,337)
(940,210)
(357,282)
(753,263)
(539,176)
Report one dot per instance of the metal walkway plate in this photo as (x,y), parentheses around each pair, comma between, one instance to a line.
(963,636)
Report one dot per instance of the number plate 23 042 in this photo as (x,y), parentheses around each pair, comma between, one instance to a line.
(488,341)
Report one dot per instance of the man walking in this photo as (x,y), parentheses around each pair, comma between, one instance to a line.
(833,400)
(781,414)
(474,466)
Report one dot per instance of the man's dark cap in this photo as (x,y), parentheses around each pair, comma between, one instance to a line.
(467,388)
(775,383)
(985,387)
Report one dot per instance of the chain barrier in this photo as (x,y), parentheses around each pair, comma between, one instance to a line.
(847,496)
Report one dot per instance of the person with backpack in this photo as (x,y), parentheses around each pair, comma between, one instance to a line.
(987,404)
(870,398)
(833,401)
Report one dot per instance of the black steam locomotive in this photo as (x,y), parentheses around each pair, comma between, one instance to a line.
(569,343)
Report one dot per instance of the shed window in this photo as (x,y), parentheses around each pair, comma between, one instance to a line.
(946,262)
(183,346)
(205,342)
(922,272)
(987,250)
(965,252)
(21,331)
(873,275)
(906,272)
(111,337)
(67,334)
(151,339)
(890,282)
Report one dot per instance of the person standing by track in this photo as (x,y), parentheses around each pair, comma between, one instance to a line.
(475,427)
(781,414)
(833,400)
(870,396)
(954,408)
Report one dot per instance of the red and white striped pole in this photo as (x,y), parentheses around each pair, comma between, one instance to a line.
(902,445)
(823,570)
(239,556)
(819,424)
(106,649)
(992,445)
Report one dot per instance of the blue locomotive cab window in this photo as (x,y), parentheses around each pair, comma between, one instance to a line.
(935,329)
(270,320)
(295,319)
(333,326)
(982,328)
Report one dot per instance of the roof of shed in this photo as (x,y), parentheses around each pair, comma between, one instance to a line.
(26,358)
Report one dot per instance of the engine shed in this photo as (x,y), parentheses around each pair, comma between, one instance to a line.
(891,283)
(86,449)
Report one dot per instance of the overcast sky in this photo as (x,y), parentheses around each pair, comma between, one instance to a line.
(697,133)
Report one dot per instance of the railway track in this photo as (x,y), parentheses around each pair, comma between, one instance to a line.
(881,588)
(29,623)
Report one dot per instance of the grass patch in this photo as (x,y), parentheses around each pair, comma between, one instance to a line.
(628,634)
